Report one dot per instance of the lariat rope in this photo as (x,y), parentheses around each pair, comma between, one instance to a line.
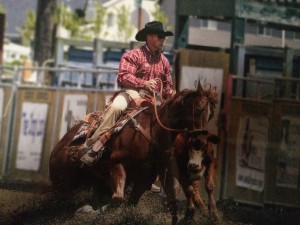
(155,109)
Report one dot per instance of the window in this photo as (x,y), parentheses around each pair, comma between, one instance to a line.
(265,31)
(289,34)
(277,33)
(110,19)
(251,28)
(208,24)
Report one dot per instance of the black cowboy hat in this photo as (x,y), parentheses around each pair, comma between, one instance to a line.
(154,27)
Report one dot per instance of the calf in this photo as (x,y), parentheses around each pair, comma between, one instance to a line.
(194,154)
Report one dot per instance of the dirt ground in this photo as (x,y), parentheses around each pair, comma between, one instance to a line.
(32,205)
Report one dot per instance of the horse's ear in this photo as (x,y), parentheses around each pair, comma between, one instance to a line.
(199,86)
(214,89)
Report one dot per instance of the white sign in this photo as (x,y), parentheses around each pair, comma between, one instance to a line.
(75,108)
(251,150)
(214,77)
(31,135)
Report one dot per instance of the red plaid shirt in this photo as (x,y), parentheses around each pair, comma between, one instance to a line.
(140,65)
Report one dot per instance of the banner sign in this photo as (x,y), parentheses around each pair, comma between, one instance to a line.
(252,139)
(74,109)
(31,135)
(289,153)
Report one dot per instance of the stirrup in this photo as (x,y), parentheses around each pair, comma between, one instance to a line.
(90,157)
(98,145)
(83,149)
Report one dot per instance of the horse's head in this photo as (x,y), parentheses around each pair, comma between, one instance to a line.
(201,152)
(192,109)
(203,105)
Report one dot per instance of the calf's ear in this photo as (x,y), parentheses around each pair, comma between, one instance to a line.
(214,138)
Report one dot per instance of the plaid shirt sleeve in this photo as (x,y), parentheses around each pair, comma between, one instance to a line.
(167,80)
(127,72)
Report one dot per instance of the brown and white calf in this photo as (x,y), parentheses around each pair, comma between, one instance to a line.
(194,157)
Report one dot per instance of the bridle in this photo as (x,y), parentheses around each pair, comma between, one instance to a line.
(185,130)
(208,114)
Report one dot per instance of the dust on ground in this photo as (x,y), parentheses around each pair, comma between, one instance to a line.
(22,205)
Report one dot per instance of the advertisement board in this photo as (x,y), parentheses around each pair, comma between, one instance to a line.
(31,135)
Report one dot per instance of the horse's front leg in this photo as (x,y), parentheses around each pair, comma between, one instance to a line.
(142,184)
(167,181)
(209,186)
(117,181)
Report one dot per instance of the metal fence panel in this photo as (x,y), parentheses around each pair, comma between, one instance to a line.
(283,161)
(40,114)
(29,129)
(246,151)
(5,110)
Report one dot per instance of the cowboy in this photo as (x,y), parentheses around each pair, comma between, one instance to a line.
(138,70)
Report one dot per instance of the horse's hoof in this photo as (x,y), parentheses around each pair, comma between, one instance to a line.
(87,209)
(104,208)
(84,209)
(214,217)
(155,188)
(116,202)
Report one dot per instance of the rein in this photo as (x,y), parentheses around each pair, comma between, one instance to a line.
(156,113)
(185,130)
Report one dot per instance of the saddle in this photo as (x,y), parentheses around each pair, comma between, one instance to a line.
(92,121)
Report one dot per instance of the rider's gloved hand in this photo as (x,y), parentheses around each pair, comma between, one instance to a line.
(151,85)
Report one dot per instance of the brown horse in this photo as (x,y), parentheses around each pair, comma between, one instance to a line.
(134,158)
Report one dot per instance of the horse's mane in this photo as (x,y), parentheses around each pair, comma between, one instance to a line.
(211,93)
(208,91)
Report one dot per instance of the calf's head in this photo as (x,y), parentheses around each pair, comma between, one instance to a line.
(200,150)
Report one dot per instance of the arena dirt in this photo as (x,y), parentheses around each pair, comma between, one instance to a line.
(20,205)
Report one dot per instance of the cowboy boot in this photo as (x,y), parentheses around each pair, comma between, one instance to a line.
(94,150)
(90,157)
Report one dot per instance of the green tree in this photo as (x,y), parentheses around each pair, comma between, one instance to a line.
(160,15)
(69,19)
(2,9)
(77,25)
(99,20)
(28,27)
(125,26)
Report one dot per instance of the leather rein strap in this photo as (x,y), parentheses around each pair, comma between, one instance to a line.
(142,130)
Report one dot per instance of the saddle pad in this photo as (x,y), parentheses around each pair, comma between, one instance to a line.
(81,133)
(86,126)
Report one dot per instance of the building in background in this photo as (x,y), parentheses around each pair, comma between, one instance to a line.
(20,8)
(13,52)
